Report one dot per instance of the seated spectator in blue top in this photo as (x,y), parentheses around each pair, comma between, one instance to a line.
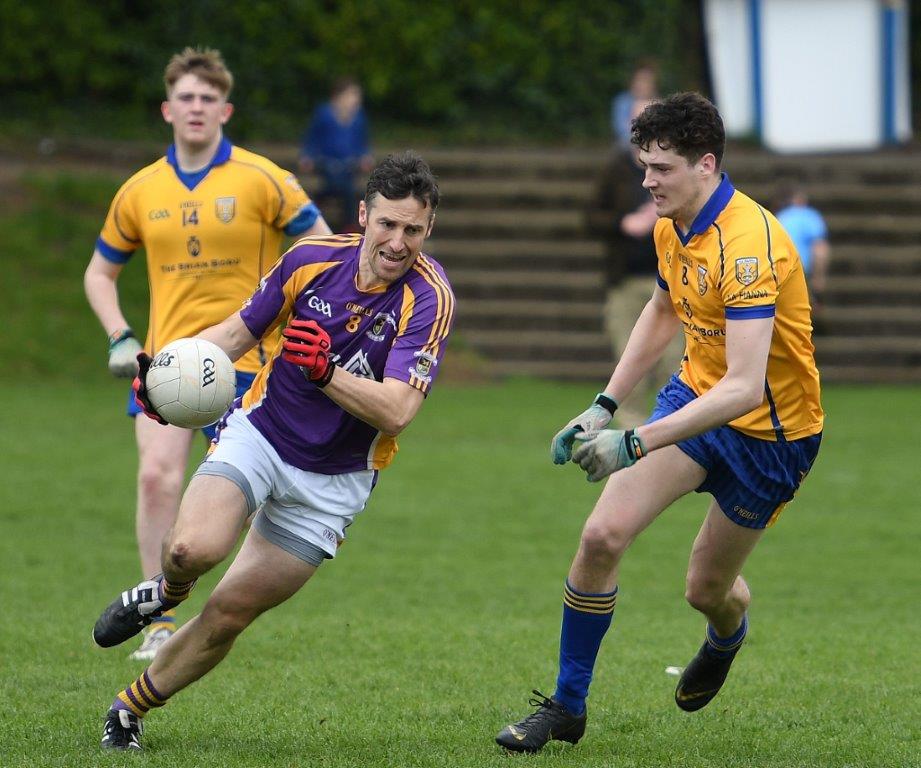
(807,229)
(336,147)
(644,87)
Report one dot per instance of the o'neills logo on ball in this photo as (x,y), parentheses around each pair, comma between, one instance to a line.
(162,360)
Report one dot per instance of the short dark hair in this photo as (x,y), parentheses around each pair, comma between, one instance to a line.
(685,122)
(401,175)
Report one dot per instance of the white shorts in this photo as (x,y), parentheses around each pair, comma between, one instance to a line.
(304,513)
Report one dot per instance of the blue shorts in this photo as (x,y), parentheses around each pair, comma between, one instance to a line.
(750,479)
(244,380)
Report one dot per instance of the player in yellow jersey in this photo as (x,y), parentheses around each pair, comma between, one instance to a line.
(741,420)
(211,218)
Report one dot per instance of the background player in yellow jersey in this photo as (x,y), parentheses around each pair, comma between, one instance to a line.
(211,217)
(741,420)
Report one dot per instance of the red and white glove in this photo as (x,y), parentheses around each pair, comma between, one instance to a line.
(307,345)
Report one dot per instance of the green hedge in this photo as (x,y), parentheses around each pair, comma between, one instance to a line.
(468,68)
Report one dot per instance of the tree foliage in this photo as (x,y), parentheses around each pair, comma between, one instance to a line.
(545,66)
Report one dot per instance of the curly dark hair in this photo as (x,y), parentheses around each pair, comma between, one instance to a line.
(685,122)
(399,176)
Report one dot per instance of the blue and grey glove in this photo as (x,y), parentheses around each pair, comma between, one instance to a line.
(607,452)
(123,352)
(590,422)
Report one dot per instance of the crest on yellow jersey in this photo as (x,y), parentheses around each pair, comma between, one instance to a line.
(225,208)
(747,270)
(701,280)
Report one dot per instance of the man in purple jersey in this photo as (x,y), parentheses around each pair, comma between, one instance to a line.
(366,318)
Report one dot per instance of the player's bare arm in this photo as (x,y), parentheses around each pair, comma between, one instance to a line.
(654,329)
(231,335)
(737,393)
(100,284)
(388,405)
(320,227)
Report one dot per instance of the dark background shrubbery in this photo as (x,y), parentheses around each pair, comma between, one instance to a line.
(454,72)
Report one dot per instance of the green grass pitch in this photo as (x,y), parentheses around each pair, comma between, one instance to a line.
(442,610)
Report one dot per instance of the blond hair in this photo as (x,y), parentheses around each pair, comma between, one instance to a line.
(205,63)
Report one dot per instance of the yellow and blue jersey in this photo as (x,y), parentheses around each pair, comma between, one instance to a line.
(737,262)
(209,237)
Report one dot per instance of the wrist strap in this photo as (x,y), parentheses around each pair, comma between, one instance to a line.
(124,333)
(605,401)
(635,448)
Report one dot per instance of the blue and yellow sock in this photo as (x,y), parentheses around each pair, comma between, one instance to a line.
(139,697)
(586,618)
(724,647)
(166,620)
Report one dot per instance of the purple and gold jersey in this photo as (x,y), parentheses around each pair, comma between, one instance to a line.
(209,237)
(737,262)
(397,331)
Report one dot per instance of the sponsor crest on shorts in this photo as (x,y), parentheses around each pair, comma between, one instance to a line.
(225,208)
(377,331)
(747,270)
(701,280)
(423,367)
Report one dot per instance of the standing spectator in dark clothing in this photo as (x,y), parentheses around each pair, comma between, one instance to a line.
(336,147)
(623,216)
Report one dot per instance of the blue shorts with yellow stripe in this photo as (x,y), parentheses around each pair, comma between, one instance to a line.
(244,380)
(750,479)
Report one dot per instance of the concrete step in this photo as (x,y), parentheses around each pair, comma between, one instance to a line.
(864,321)
(484,223)
(868,290)
(542,344)
(534,192)
(874,260)
(847,351)
(527,254)
(506,284)
(874,228)
(507,314)
(870,374)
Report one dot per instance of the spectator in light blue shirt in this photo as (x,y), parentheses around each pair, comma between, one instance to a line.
(644,87)
(807,229)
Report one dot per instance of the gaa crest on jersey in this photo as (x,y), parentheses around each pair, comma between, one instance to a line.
(377,331)
(686,306)
(423,367)
(193,245)
(747,270)
(701,280)
(225,208)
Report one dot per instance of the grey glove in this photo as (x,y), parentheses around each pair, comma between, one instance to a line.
(590,422)
(123,352)
(607,452)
